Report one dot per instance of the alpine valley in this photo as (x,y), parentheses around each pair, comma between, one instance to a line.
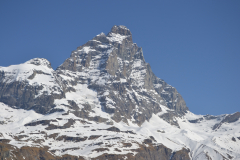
(105,103)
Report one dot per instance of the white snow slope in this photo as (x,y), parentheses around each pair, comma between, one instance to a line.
(202,141)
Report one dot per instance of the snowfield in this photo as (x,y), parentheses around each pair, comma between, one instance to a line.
(198,137)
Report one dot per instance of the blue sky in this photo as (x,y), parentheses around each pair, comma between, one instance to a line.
(193,45)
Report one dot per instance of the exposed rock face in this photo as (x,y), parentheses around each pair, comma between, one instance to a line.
(32,85)
(228,119)
(170,117)
(8,152)
(114,66)
(181,155)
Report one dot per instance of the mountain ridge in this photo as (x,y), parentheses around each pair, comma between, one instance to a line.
(106,86)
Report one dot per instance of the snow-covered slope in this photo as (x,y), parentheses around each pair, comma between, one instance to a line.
(68,134)
(35,72)
(105,102)
(31,85)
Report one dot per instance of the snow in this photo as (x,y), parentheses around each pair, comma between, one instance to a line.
(202,143)
(44,76)
(21,72)
(103,46)
(86,49)
(138,72)
(157,85)
(113,37)
(81,96)
(101,34)
(123,80)
(121,26)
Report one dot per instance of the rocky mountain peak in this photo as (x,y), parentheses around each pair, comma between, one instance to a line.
(122,30)
(119,33)
(115,68)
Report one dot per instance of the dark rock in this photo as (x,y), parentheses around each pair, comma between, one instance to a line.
(233,139)
(161,131)
(74,148)
(27,153)
(23,95)
(153,138)
(5,140)
(209,117)
(101,149)
(73,105)
(181,155)
(72,139)
(85,114)
(54,135)
(52,126)
(120,30)
(147,141)
(127,145)
(116,149)
(131,132)
(229,156)
(56,110)
(170,118)
(94,137)
(143,153)
(231,118)
(20,137)
(196,120)
(4,151)
(113,129)
(98,144)
(153,153)
(228,119)
(113,138)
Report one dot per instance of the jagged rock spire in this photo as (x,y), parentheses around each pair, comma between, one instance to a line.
(122,30)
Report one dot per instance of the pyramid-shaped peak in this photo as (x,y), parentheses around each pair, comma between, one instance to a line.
(122,30)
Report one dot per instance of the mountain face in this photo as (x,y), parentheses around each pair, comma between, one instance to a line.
(104,102)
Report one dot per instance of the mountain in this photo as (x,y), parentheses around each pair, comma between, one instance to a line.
(104,102)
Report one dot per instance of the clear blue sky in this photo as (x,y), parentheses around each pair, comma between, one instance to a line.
(193,45)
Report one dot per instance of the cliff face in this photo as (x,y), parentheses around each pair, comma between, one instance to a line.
(8,152)
(104,102)
(31,85)
(114,65)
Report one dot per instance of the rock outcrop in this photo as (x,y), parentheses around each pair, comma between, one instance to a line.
(32,85)
(114,66)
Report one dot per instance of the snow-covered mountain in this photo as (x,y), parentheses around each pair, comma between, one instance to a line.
(104,102)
